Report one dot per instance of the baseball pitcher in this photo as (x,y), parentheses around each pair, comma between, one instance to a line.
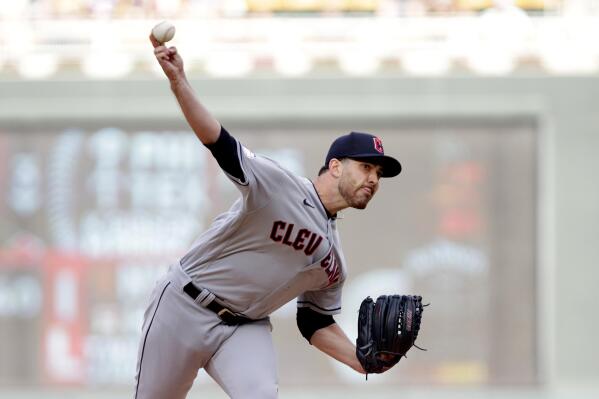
(277,242)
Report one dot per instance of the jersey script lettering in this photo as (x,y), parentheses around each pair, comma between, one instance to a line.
(332,267)
(303,239)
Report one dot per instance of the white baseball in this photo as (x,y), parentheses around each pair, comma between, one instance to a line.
(164,31)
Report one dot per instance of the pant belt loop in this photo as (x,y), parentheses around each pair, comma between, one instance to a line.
(205,297)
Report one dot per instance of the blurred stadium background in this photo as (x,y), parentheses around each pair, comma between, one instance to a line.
(490,105)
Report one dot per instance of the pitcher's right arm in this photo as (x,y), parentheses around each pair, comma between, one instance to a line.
(201,121)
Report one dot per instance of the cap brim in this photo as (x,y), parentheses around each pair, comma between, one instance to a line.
(391,166)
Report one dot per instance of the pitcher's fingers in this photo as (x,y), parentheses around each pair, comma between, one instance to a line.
(161,52)
(155,42)
(172,50)
(162,57)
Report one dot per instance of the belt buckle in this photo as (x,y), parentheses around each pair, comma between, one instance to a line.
(227,316)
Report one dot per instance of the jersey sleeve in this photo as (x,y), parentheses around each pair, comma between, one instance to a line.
(327,301)
(256,177)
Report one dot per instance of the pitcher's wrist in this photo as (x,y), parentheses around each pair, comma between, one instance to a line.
(177,83)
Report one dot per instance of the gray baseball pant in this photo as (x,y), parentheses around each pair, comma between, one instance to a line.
(180,336)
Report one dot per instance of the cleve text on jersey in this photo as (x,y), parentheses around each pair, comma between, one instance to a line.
(332,267)
(302,239)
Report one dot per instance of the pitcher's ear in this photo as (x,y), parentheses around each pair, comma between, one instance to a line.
(336,167)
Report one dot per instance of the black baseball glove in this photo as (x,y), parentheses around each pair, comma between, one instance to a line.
(387,329)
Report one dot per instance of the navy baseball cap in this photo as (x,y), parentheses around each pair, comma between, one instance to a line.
(363,147)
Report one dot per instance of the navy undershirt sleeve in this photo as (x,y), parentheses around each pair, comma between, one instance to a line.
(309,321)
(225,151)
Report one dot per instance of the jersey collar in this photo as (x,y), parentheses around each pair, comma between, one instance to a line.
(329,216)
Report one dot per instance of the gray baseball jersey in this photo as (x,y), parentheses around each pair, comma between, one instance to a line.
(277,242)
(274,244)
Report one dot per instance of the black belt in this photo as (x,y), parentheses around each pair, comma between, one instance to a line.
(229,317)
